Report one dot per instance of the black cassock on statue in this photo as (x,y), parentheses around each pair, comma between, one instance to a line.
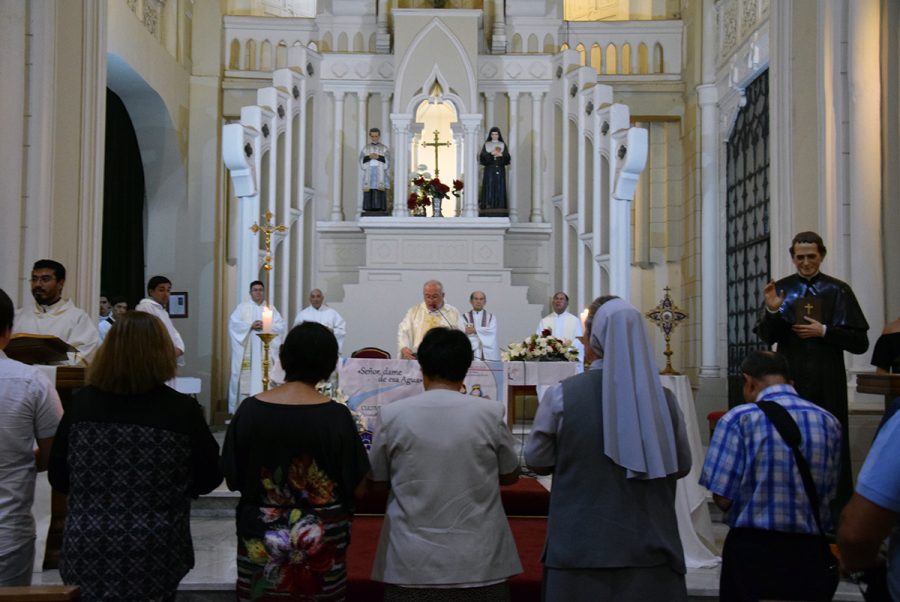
(493,183)
(817,364)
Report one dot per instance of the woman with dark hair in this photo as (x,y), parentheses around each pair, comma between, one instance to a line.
(298,461)
(615,442)
(131,453)
(494,157)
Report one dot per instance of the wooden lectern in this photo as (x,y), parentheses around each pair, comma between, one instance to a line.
(880,384)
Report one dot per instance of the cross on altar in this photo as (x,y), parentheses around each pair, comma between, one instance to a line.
(436,144)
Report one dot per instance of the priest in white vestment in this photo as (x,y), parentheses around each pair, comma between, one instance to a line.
(562,324)
(50,314)
(247,349)
(423,317)
(158,290)
(317,311)
(480,326)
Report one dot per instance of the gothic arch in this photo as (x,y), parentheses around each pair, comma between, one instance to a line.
(411,87)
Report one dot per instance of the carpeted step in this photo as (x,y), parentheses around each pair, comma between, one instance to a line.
(526,498)
(529,534)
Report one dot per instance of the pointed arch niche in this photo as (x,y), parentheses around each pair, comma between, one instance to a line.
(432,116)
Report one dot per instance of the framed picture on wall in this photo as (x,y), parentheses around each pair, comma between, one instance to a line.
(178,305)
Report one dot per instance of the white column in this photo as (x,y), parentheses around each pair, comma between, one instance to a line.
(537,139)
(299,241)
(709,192)
(471,123)
(93,150)
(498,33)
(287,255)
(598,197)
(14,269)
(564,282)
(401,123)
(382,37)
(337,213)
(361,140)
(512,188)
(710,298)
(866,274)
(581,250)
(489,114)
(385,126)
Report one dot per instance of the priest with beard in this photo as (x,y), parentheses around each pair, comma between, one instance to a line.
(814,319)
(50,314)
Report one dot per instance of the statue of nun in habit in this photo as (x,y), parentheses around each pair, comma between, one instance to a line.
(494,157)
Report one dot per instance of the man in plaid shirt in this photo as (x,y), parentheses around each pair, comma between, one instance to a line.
(755,480)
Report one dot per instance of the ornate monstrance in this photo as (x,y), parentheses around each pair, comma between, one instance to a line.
(666,315)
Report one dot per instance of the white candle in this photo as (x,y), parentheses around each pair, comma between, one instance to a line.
(266,319)
(584,315)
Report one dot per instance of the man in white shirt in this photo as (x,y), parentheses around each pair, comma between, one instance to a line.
(247,348)
(29,412)
(317,311)
(158,290)
(480,326)
(423,317)
(562,324)
(52,315)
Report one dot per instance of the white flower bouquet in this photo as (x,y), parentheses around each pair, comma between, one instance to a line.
(542,347)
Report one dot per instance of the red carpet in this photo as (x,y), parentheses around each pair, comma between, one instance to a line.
(528,533)
(526,504)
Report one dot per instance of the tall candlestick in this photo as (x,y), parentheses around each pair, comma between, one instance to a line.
(266,319)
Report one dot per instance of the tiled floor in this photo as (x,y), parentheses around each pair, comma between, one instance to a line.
(214,574)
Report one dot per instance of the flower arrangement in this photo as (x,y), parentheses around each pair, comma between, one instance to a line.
(541,348)
(428,191)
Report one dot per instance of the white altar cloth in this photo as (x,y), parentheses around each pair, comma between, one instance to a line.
(694,523)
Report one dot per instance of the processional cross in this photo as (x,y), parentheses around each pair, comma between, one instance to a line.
(436,144)
(667,316)
(268,229)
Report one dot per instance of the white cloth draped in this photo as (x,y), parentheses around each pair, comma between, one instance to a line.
(243,338)
(327,317)
(484,341)
(64,321)
(151,306)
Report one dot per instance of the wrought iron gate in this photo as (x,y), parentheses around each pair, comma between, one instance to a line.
(747,240)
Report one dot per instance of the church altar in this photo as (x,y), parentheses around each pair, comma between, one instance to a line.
(369,384)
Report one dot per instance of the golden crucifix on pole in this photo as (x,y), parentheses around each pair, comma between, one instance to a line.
(436,144)
(267,335)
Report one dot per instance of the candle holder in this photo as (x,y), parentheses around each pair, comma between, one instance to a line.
(266,338)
